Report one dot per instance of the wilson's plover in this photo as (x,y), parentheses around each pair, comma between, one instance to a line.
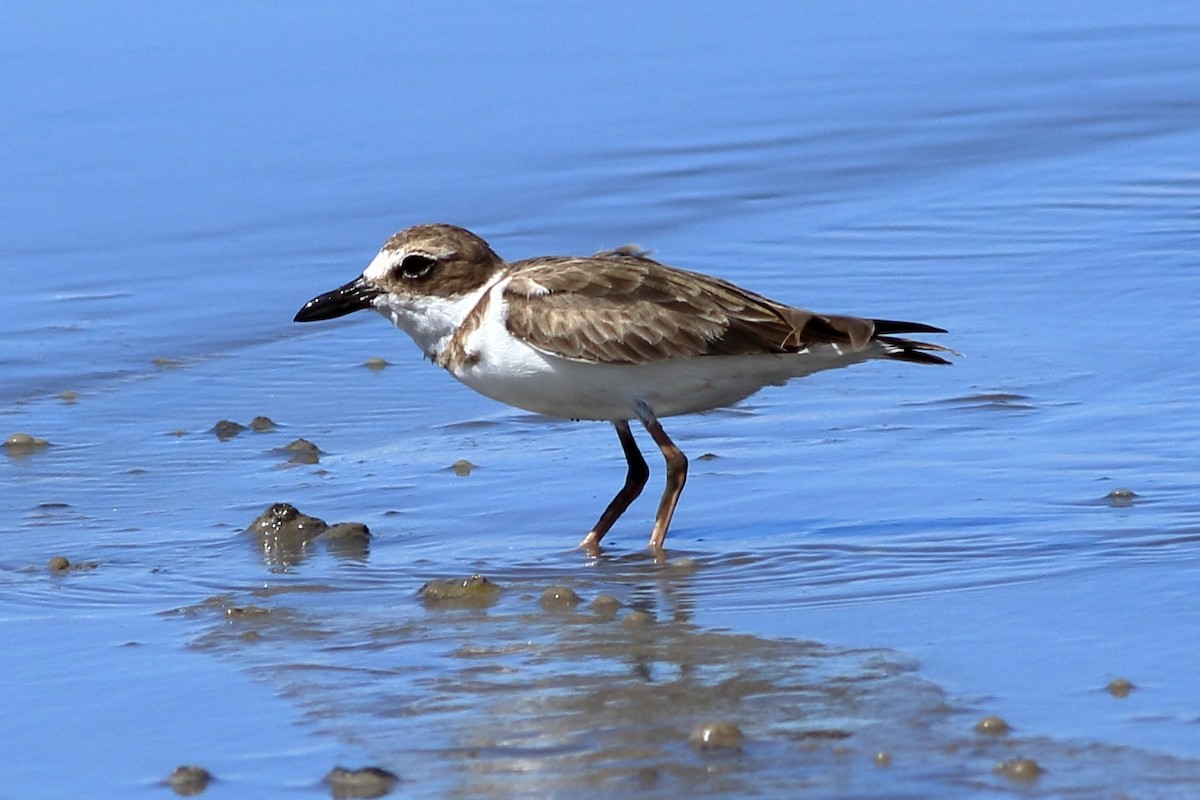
(615,336)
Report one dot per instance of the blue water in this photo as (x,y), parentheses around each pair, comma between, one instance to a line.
(178,180)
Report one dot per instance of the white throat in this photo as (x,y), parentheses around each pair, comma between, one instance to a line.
(429,320)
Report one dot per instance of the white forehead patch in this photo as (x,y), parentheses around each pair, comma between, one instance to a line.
(382,264)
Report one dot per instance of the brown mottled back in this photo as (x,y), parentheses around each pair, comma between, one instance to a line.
(621,307)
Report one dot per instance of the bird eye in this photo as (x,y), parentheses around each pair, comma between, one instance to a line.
(416,266)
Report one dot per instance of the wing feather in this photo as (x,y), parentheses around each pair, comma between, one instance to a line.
(622,307)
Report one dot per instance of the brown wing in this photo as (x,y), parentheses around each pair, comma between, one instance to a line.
(621,307)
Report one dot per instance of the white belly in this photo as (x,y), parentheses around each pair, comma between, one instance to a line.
(521,376)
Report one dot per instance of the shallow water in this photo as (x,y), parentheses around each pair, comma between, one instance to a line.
(865,561)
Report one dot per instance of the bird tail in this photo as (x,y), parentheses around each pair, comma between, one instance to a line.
(912,350)
(861,333)
(899,349)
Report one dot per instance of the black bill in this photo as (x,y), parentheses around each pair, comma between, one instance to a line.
(354,296)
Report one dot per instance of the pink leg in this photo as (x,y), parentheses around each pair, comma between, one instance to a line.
(677,465)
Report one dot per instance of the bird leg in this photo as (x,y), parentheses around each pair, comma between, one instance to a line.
(677,465)
(635,480)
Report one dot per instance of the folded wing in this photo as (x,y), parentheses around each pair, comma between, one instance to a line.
(621,307)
